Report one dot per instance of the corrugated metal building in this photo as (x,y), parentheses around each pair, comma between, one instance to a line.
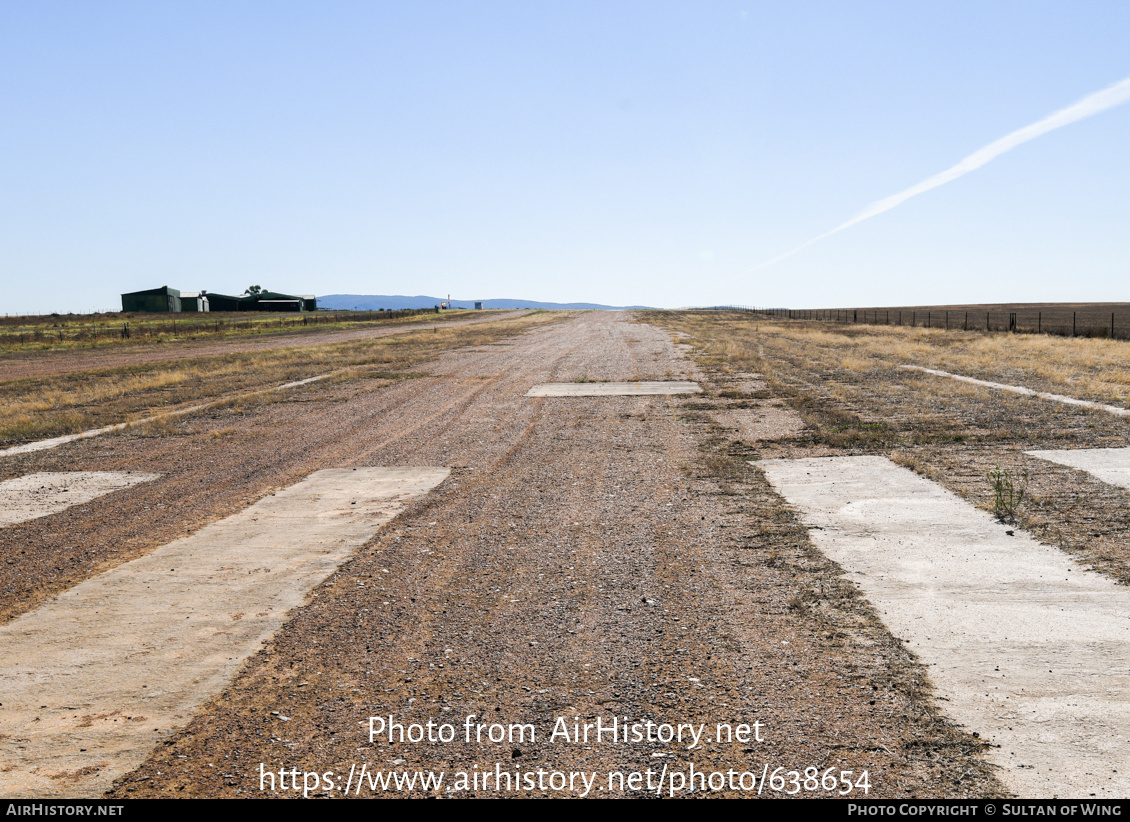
(169,299)
(274,301)
(194,301)
(155,299)
(226,302)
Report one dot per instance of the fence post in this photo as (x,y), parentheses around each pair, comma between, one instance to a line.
(1072,323)
(1039,322)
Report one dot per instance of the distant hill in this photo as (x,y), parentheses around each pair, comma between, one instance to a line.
(372,302)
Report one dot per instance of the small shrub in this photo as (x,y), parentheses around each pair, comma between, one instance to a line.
(1009,488)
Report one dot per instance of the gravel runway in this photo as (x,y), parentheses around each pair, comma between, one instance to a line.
(587,558)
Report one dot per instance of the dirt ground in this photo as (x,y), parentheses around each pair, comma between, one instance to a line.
(588,557)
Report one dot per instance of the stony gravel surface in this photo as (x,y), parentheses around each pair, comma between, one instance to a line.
(588,557)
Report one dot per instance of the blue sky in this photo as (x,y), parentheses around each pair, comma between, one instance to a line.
(616,152)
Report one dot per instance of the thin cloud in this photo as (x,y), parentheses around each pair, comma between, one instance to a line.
(1095,103)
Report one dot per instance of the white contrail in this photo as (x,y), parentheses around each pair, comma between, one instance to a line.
(1099,101)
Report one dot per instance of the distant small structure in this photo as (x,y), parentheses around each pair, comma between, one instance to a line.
(163,299)
(479,306)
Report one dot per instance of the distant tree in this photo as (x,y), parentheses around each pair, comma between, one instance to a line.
(253,290)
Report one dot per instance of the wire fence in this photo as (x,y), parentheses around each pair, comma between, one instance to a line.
(1063,321)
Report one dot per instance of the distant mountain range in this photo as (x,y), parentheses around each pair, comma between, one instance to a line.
(373,302)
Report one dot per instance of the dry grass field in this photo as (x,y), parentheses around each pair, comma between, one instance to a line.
(848,384)
(55,332)
(83,393)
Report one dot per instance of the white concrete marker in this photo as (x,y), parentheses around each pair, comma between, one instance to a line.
(1030,649)
(55,442)
(37,495)
(612,389)
(119,662)
(1111,465)
(1028,392)
(306,381)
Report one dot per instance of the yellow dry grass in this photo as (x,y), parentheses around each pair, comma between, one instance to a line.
(1088,368)
(57,332)
(37,408)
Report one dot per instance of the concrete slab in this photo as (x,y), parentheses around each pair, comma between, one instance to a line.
(613,389)
(1027,392)
(37,495)
(1111,465)
(1029,648)
(92,680)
